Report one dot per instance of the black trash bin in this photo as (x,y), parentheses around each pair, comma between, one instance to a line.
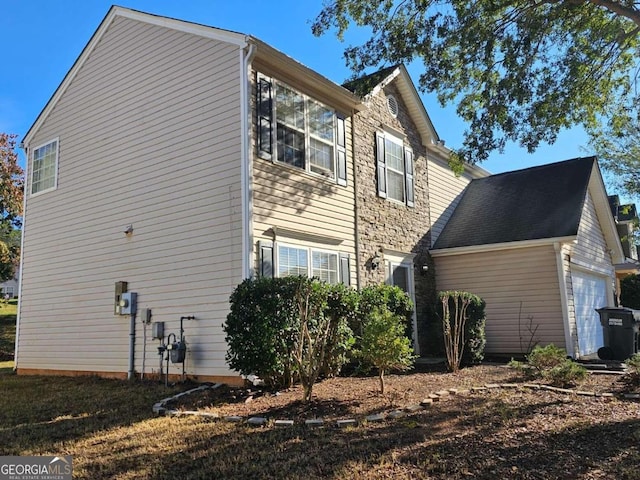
(621,327)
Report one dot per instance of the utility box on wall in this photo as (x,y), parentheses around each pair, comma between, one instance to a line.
(157,330)
(128,303)
(121,287)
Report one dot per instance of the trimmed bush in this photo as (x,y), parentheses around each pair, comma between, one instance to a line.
(288,329)
(463,322)
(261,328)
(630,291)
(475,332)
(392,298)
(342,307)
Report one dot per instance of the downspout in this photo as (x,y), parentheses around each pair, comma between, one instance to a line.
(246,159)
(132,346)
(24,222)
(568,340)
(355,197)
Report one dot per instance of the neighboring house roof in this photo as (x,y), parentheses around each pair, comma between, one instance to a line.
(544,202)
(622,213)
(265,54)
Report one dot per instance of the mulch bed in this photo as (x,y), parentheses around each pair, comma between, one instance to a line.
(344,397)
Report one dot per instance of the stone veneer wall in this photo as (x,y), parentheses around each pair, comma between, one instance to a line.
(388,225)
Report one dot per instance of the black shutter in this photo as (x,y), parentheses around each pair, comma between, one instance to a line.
(345,271)
(265,248)
(341,141)
(382,166)
(408,172)
(264,104)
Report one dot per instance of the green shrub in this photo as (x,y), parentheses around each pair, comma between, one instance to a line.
(463,328)
(389,297)
(384,344)
(475,332)
(630,291)
(633,373)
(342,306)
(261,327)
(287,329)
(550,363)
(565,373)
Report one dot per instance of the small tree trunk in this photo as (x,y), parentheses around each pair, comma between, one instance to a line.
(381,375)
(308,389)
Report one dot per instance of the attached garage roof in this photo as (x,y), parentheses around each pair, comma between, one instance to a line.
(535,203)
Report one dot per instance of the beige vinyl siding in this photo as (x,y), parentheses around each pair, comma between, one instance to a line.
(320,211)
(445,191)
(591,246)
(506,280)
(149,136)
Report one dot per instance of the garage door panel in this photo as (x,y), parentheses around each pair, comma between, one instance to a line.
(589,293)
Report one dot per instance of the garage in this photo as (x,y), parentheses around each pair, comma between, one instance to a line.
(589,293)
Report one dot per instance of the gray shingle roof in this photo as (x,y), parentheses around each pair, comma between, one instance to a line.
(363,85)
(530,204)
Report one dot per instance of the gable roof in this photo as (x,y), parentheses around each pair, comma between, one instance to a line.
(369,85)
(538,203)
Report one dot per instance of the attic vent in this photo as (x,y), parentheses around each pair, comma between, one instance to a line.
(392,105)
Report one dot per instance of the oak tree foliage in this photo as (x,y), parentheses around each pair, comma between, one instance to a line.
(517,70)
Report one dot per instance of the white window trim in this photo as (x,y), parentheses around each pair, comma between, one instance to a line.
(407,178)
(307,133)
(400,142)
(55,178)
(310,251)
(406,261)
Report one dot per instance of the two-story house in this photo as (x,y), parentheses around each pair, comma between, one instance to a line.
(179,159)
(184,158)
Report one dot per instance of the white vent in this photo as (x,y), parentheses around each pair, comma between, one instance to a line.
(392,105)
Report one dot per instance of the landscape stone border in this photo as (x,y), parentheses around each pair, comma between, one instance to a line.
(160,408)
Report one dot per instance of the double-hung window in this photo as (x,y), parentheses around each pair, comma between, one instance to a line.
(395,169)
(308,262)
(294,129)
(44,167)
(289,260)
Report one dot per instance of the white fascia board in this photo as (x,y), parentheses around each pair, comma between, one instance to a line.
(444,252)
(271,61)
(603,211)
(213,33)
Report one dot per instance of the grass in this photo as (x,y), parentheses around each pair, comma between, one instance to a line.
(109,429)
(7,333)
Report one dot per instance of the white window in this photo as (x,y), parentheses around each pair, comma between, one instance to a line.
(395,169)
(308,135)
(292,261)
(308,262)
(324,266)
(44,168)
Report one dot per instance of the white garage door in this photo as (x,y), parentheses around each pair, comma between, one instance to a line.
(589,293)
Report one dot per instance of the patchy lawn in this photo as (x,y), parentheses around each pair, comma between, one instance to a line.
(7,331)
(514,433)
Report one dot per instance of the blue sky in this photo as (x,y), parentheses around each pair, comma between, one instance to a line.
(42,38)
